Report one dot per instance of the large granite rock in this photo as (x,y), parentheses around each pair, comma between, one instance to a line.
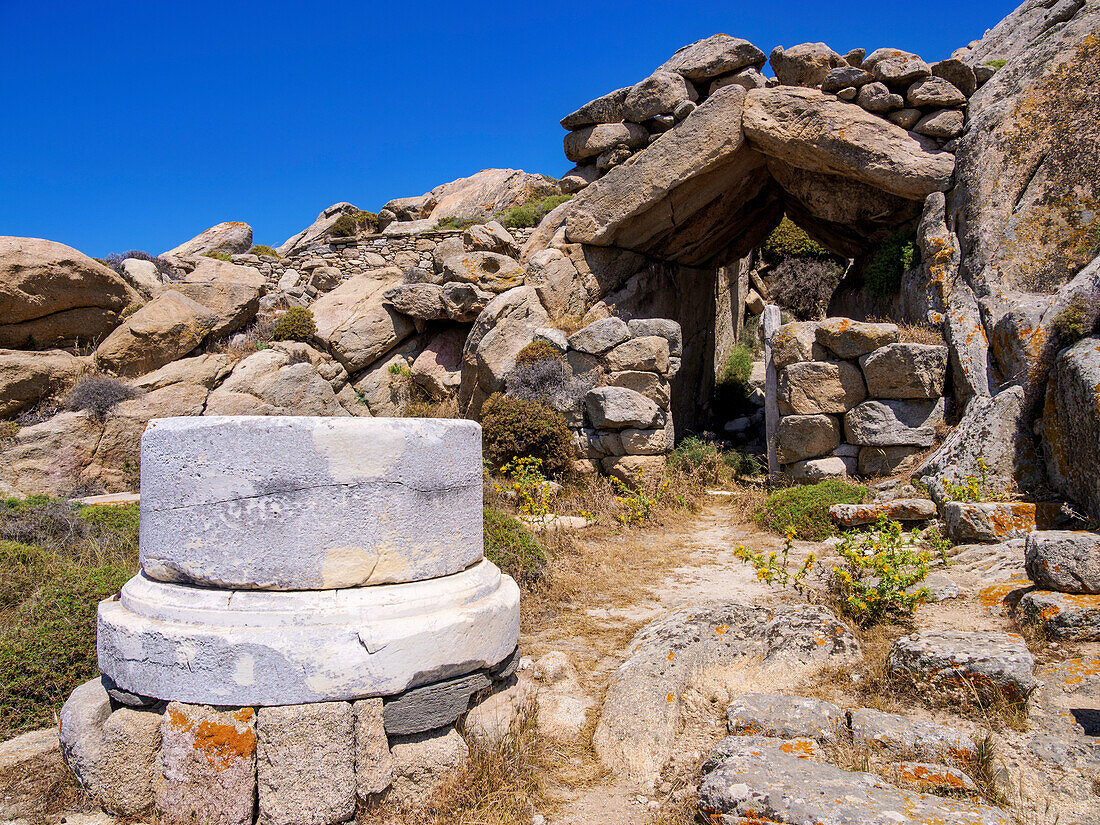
(641,711)
(613,408)
(1067,561)
(163,330)
(820,133)
(315,232)
(810,387)
(886,423)
(487,270)
(992,521)
(685,196)
(716,55)
(288,378)
(806,64)
(52,295)
(1069,616)
(986,664)
(607,108)
(851,339)
(762,782)
(900,736)
(905,371)
(228,238)
(356,324)
(1071,425)
(28,377)
(658,94)
(486,193)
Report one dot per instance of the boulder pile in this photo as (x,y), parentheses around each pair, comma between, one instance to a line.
(1065,567)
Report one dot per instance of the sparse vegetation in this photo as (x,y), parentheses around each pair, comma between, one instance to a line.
(707,465)
(1075,321)
(351,223)
(515,428)
(638,501)
(531,214)
(115,259)
(264,249)
(774,568)
(806,508)
(297,324)
(804,286)
(738,367)
(57,562)
(511,546)
(889,261)
(537,351)
(218,256)
(455,222)
(98,395)
(995,64)
(879,571)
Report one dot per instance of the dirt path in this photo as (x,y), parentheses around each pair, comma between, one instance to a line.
(701,567)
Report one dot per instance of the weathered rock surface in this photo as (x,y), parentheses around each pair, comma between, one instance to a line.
(762,782)
(642,707)
(905,371)
(888,423)
(28,377)
(900,736)
(1064,615)
(785,717)
(305,764)
(591,141)
(807,436)
(898,509)
(354,322)
(289,378)
(316,230)
(806,64)
(165,329)
(992,521)
(1067,561)
(716,55)
(486,193)
(423,301)
(423,761)
(373,761)
(485,270)
(1071,424)
(600,336)
(811,387)
(228,238)
(993,665)
(438,369)
(208,766)
(658,94)
(851,339)
(810,130)
(613,408)
(605,109)
(51,295)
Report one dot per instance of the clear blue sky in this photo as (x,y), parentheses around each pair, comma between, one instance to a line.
(139,124)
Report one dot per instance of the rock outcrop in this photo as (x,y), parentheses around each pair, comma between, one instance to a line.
(231,237)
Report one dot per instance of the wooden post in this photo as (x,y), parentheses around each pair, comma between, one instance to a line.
(771,389)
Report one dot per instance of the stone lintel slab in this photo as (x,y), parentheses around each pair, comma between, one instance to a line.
(307,503)
(248,648)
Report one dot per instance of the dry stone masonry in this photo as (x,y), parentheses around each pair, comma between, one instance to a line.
(853,399)
(313,603)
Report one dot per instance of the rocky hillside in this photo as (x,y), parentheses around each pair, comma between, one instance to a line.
(984,162)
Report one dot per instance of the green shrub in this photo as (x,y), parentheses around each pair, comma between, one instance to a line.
(345,226)
(879,568)
(738,367)
(297,324)
(218,256)
(22,568)
(789,240)
(511,546)
(889,261)
(537,351)
(995,64)
(49,648)
(516,428)
(531,214)
(264,249)
(367,221)
(1073,323)
(113,524)
(455,222)
(806,508)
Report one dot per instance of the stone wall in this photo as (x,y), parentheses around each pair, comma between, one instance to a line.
(853,399)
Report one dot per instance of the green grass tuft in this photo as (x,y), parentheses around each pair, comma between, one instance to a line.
(806,508)
(511,546)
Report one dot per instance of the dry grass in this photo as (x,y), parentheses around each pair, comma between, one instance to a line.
(45,787)
(920,334)
(500,784)
(567,323)
(240,345)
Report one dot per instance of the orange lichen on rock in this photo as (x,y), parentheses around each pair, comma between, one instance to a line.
(222,745)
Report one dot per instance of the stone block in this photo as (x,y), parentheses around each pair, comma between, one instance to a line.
(851,339)
(649,353)
(423,761)
(208,766)
(793,343)
(884,461)
(899,509)
(807,436)
(892,423)
(600,336)
(818,469)
(305,766)
(663,327)
(1067,561)
(811,387)
(373,762)
(965,663)
(1069,616)
(248,648)
(801,747)
(992,521)
(905,371)
(645,442)
(432,706)
(785,717)
(615,408)
(901,736)
(649,384)
(296,503)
